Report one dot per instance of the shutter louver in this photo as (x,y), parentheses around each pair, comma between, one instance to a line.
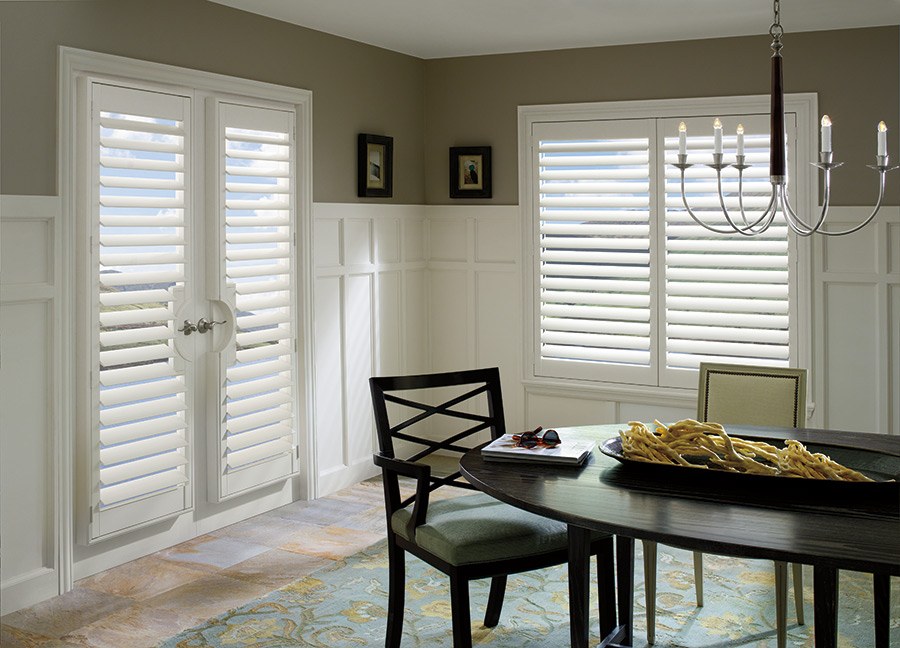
(594,270)
(726,296)
(258,435)
(139,144)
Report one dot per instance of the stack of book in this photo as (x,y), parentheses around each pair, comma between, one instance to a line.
(571,452)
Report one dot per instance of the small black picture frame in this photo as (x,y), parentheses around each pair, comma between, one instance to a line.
(470,172)
(375,166)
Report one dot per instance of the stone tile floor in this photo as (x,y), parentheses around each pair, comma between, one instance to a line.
(150,599)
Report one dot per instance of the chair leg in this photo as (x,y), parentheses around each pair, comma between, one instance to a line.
(459,609)
(797,569)
(649,548)
(495,601)
(396,592)
(698,577)
(781,591)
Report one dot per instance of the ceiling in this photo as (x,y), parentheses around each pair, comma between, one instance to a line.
(445,28)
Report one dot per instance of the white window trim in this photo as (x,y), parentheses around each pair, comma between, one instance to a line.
(805,185)
(74,65)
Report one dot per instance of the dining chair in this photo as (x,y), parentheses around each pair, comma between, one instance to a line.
(743,395)
(467,537)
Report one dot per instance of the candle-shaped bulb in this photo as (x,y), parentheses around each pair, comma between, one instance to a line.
(682,139)
(717,132)
(882,138)
(826,134)
(740,139)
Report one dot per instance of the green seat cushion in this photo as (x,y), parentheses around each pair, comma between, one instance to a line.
(477,528)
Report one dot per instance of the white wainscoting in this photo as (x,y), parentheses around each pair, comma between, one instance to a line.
(370,312)
(857,323)
(32,568)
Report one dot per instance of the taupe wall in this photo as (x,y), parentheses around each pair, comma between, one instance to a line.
(464,101)
(356,88)
(472,101)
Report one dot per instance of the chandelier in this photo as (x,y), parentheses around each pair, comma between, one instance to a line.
(780,200)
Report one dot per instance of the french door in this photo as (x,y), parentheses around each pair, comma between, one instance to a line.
(189,326)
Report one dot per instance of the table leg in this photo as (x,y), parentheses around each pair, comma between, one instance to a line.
(625,586)
(882,589)
(606,587)
(579,585)
(825,596)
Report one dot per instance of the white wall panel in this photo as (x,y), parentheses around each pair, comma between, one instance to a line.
(850,393)
(328,243)
(329,354)
(447,239)
(25,254)
(26,537)
(893,248)
(498,336)
(33,493)
(449,321)
(387,240)
(358,367)
(565,410)
(415,321)
(357,242)
(387,308)
(856,253)
(413,239)
(497,240)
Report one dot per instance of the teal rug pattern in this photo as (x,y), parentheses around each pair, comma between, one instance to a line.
(344,605)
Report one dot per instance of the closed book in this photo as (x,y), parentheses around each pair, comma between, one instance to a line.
(571,452)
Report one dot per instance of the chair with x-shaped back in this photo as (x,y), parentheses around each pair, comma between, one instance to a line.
(467,537)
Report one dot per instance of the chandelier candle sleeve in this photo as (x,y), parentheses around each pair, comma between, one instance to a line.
(826,134)
(740,139)
(882,138)
(717,132)
(682,139)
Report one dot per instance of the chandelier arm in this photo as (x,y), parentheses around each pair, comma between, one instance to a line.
(744,231)
(752,227)
(694,216)
(796,223)
(870,217)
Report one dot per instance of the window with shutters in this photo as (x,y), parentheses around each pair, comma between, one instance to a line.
(190,318)
(625,287)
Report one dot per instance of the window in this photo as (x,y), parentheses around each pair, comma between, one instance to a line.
(624,286)
(190,208)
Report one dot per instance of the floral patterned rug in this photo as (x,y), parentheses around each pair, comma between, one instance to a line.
(343,605)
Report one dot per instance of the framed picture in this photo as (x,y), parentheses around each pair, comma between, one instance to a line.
(470,172)
(375,166)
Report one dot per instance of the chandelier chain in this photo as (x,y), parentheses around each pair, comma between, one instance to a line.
(776,31)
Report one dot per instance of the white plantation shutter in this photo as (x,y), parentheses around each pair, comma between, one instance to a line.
(628,288)
(141,436)
(258,376)
(727,297)
(592,188)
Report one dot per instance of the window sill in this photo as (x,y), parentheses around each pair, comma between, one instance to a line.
(616,392)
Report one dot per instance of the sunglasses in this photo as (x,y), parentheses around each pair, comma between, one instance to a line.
(549,439)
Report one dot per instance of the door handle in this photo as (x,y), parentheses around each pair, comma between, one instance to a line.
(204,325)
(188,327)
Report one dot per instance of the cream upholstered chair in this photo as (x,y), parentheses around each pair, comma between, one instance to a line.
(743,395)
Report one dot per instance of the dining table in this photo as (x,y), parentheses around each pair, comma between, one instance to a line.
(828,524)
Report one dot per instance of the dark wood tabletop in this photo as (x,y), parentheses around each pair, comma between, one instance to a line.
(837,526)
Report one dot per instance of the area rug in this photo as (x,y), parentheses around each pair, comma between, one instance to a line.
(343,605)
